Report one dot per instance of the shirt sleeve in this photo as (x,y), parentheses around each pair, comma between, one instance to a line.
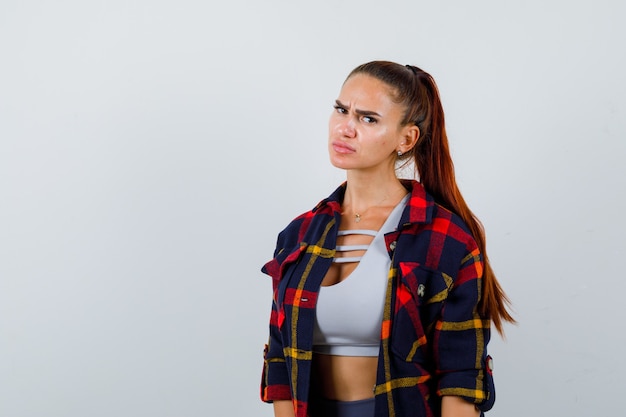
(275,377)
(461,335)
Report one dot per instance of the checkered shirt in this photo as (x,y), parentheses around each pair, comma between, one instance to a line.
(433,339)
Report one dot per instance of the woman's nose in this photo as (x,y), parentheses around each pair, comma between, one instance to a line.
(347,128)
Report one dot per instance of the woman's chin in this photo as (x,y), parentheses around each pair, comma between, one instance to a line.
(338,163)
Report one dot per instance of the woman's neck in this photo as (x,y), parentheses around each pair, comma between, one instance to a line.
(364,191)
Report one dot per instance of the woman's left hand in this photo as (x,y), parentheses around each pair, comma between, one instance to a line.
(457,407)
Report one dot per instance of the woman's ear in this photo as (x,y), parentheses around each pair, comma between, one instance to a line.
(410,136)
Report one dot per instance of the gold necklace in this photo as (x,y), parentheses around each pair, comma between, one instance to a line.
(357,216)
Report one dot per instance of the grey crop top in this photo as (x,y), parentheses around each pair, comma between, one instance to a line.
(349,314)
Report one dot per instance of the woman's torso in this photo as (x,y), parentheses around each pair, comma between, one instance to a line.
(351,301)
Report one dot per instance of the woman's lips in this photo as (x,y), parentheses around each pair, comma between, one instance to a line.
(341,147)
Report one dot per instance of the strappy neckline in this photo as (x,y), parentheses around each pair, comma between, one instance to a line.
(351,248)
(364,247)
(357,232)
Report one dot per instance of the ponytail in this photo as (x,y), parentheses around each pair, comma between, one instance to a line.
(417,90)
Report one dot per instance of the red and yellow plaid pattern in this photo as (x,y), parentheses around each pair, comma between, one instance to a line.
(433,340)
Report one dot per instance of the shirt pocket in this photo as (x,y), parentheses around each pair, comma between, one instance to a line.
(276,267)
(419,298)
(279,269)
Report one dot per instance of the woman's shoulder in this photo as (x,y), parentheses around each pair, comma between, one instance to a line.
(323,212)
(452,225)
(438,219)
(304,227)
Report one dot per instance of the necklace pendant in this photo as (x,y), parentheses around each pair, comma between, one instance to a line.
(357,217)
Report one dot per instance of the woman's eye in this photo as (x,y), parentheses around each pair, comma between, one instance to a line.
(340,109)
(369,120)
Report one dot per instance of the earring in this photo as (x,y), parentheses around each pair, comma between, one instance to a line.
(399,153)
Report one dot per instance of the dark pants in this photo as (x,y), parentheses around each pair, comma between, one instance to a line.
(321,407)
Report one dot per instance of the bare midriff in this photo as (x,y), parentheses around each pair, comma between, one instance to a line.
(344,378)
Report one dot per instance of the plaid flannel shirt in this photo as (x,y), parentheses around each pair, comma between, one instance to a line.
(433,339)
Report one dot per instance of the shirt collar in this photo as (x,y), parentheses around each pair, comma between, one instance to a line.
(419,208)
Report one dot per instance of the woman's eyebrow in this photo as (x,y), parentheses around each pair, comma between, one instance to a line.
(358,111)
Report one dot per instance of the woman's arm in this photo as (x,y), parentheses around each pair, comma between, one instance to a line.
(461,335)
(283,408)
(275,381)
(455,407)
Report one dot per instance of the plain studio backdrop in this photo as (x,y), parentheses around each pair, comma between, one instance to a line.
(150,152)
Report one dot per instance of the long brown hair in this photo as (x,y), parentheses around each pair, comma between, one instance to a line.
(416,90)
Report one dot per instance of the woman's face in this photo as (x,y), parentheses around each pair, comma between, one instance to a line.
(364,129)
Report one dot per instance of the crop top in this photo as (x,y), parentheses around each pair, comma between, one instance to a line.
(349,314)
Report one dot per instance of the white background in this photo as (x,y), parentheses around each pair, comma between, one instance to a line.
(150,151)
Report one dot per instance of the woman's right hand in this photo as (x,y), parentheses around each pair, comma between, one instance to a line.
(283,408)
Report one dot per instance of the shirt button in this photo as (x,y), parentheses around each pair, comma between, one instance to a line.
(421,289)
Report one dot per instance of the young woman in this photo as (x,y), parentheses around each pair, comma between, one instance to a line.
(383,293)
